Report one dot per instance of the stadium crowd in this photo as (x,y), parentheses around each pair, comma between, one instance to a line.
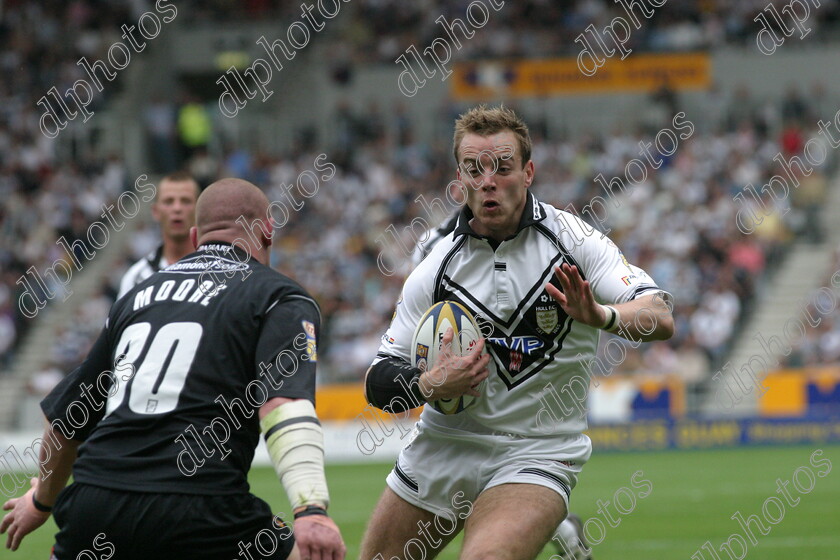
(45,198)
(383,29)
(679,223)
(821,343)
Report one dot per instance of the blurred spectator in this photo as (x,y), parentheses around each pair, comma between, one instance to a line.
(159,120)
(43,381)
(194,127)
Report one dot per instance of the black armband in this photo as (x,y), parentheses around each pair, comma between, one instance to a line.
(394,386)
(39,506)
(311,510)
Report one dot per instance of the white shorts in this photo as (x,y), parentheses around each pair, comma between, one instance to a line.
(443,469)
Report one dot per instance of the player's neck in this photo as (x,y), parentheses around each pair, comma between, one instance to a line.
(175,250)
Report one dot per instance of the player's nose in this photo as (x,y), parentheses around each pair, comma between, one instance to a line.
(488,181)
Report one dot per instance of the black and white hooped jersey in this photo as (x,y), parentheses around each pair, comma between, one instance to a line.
(534,345)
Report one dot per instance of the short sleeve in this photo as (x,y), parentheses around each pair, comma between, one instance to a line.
(287,348)
(77,402)
(612,278)
(415,299)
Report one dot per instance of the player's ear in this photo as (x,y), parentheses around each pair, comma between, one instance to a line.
(529,173)
(267,234)
(155,211)
(194,237)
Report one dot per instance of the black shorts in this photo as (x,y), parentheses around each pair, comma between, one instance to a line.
(123,525)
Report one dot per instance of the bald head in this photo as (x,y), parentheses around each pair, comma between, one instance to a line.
(226,208)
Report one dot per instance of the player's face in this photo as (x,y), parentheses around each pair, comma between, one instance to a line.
(491,168)
(175,209)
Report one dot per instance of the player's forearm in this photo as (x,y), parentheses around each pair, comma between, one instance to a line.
(645,319)
(57,457)
(295,445)
(393,385)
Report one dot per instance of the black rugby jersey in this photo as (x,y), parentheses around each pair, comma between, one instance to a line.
(188,357)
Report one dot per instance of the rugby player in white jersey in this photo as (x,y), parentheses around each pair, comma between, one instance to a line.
(568,538)
(544,284)
(174,209)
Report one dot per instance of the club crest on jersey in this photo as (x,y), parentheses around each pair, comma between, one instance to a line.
(547,319)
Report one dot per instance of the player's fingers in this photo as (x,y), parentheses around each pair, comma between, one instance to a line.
(341,552)
(479,346)
(10,504)
(7,520)
(561,276)
(479,353)
(304,548)
(480,364)
(553,291)
(575,280)
(479,374)
(335,550)
(586,291)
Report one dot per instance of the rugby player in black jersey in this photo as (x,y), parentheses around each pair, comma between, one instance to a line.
(159,424)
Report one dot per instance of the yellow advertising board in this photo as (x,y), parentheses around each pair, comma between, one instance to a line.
(562,76)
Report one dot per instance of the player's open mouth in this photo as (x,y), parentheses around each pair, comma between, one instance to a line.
(490,205)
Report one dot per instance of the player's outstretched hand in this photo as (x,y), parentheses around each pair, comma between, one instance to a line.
(455,375)
(318,538)
(576,299)
(22,518)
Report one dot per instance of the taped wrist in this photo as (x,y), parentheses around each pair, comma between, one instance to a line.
(295,444)
(612,318)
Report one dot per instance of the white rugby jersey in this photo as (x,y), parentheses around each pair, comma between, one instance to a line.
(142,269)
(533,342)
(435,235)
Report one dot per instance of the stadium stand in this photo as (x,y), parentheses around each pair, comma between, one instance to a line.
(383,162)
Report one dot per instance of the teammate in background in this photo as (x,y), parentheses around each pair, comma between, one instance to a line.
(539,278)
(174,209)
(163,456)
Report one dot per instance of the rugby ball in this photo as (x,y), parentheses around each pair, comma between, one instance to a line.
(426,344)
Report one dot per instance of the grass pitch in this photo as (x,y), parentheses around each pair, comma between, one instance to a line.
(694,494)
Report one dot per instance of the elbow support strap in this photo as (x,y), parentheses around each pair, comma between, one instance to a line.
(295,444)
(393,385)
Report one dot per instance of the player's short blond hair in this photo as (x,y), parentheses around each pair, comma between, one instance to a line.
(484,121)
(179,176)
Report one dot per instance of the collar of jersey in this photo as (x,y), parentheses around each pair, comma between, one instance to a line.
(532,214)
(211,246)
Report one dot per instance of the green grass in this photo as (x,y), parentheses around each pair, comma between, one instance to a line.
(694,494)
